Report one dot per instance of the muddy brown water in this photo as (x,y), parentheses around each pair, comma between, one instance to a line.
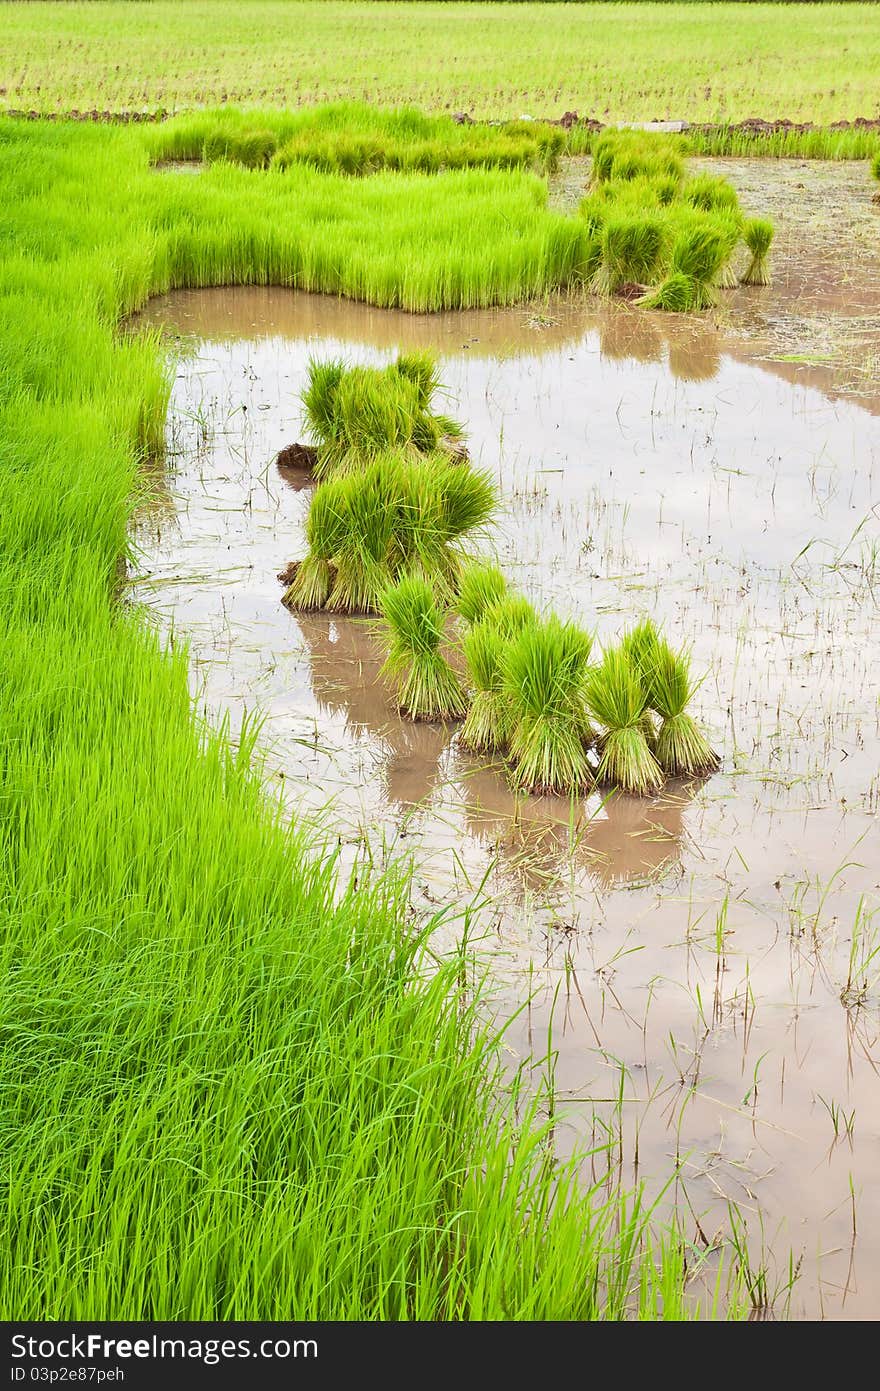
(688,955)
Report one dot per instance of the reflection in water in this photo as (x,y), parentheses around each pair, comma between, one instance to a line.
(615,837)
(345,657)
(630,333)
(696,357)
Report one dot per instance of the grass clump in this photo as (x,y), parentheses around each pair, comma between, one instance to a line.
(545,668)
(392,517)
(616,697)
(631,249)
(624,155)
(758,235)
(426,687)
(481,587)
(681,748)
(355,414)
(698,255)
(488,724)
(648,225)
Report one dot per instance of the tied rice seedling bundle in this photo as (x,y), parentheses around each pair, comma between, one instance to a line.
(488,724)
(392,517)
(681,748)
(356,413)
(544,670)
(616,698)
(626,155)
(425,685)
(710,193)
(445,503)
(699,254)
(758,236)
(641,645)
(369,502)
(481,586)
(631,250)
(326,525)
(875,170)
(511,614)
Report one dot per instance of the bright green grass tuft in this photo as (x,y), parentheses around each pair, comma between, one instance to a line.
(481,585)
(616,698)
(758,235)
(544,671)
(681,748)
(426,687)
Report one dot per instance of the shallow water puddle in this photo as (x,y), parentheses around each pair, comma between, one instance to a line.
(690,951)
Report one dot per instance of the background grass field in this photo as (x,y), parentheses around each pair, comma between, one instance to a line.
(617,62)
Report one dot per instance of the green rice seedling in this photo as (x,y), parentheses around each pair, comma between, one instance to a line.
(641,645)
(626,155)
(681,748)
(698,255)
(319,397)
(616,698)
(631,249)
(710,193)
(325,528)
(488,724)
(369,503)
(511,614)
(875,170)
(758,236)
(425,685)
(481,586)
(357,413)
(544,669)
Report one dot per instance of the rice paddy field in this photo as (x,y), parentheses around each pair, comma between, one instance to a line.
(439,716)
(617,62)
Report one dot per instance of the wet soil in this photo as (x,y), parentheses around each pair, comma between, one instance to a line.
(699,959)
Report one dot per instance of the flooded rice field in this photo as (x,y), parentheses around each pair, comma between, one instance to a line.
(702,968)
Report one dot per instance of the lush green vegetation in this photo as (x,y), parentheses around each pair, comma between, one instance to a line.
(354,138)
(230,1087)
(617,62)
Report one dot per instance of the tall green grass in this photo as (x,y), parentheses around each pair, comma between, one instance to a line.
(356,138)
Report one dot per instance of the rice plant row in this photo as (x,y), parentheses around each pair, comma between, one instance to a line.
(663,238)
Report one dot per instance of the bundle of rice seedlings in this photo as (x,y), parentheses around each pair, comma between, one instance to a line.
(426,687)
(369,503)
(875,170)
(681,748)
(632,246)
(616,697)
(444,503)
(511,614)
(641,645)
(357,413)
(627,155)
(711,193)
(319,397)
(325,530)
(488,724)
(481,585)
(758,236)
(698,255)
(544,669)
